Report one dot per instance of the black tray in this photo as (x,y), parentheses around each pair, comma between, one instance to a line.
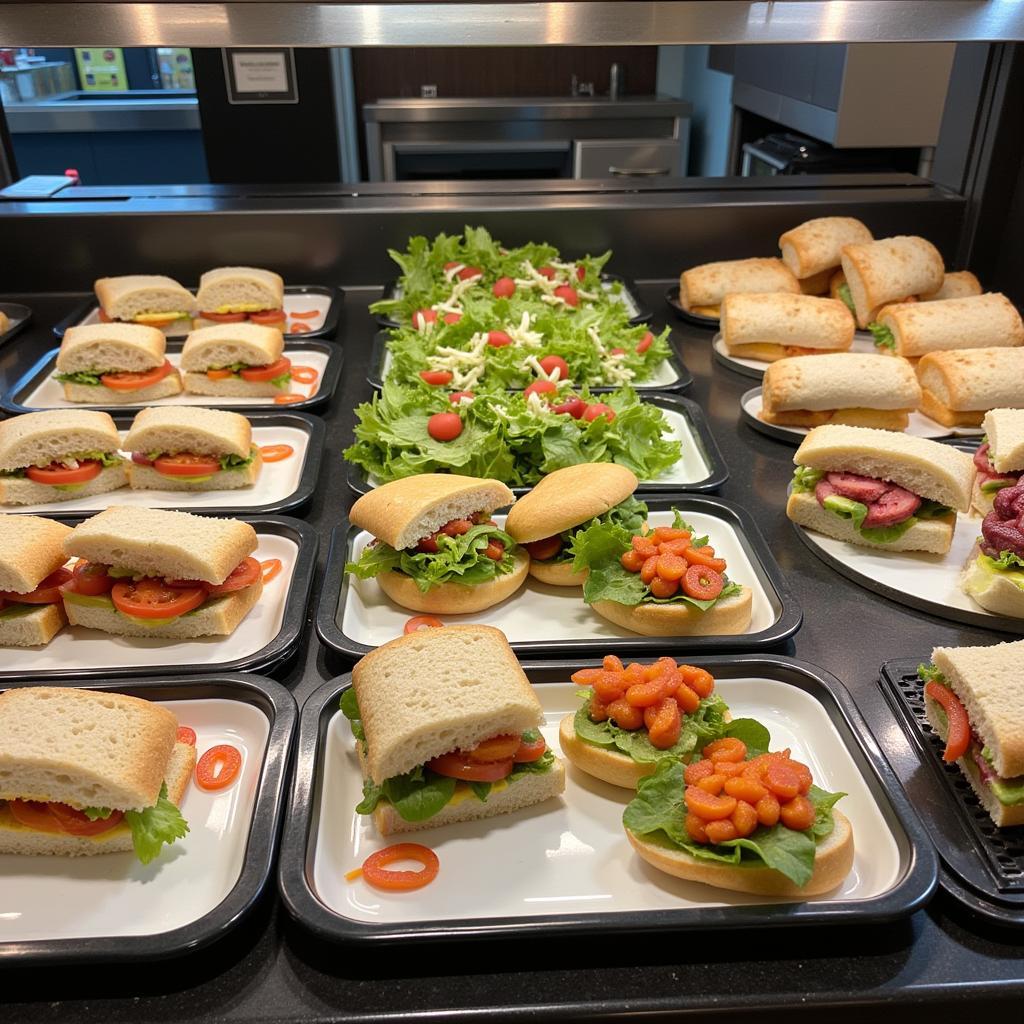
(19,316)
(311,425)
(379,348)
(278,705)
(641,316)
(266,659)
(711,323)
(13,400)
(332,295)
(909,894)
(982,866)
(718,473)
(335,586)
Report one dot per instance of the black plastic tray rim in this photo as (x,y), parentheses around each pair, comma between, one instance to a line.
(261,846)
(911,892)
(334,591)
(266,659)
(718,472)
(15,311)
(327,330)
(709,323)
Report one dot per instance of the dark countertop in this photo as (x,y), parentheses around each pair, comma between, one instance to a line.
(270,969)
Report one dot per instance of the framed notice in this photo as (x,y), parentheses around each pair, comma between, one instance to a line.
(260,75)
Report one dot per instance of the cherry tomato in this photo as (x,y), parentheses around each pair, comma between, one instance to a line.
(153,599)
(245,574)
(495,550)
(645,343)
(186,735)
(218,767)
(618,351)
(136,381)
(77,823)
(376,872)
(261,374)
(456,396)
(457,765)
(596,409)
(498,339)
(452,318)
(581,273)
(545,548)
(422,317)
(58,473)
(701,583)
(467,272)
(574,407)
(457,527)
(958,737)
(184,464)
(436,376)
(418,622)
(551,363)
(444,426)
(504,288)
(531,750)
(48,591)
(451,265)
(428,545)
(90,579)
(548,272)
(540,387)
(567,294)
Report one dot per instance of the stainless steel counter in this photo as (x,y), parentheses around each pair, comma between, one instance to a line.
(83,112)
(525,108)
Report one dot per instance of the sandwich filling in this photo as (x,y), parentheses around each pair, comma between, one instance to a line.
(1002,536)
(467,551)
(239,312)
(880,510)
(629,514)
(49,591)
(990,479)
(68,473)
(278,373)
(455,776)
(962,741)
(191,467)
(157,319)
(117,380)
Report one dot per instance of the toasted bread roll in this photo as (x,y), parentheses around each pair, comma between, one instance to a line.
(958,284)
(781,322)
(960,386)
(708,284)
(886,271)
(816,246)
(979,321)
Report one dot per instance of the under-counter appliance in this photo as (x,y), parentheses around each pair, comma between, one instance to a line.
(786,153)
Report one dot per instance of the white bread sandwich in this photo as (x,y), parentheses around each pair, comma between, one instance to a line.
(58,455)
(236,360)
(701,289)
(840,387)
(85,772)
(149,299)
(959,387)
(772,326)
(437,549)
(190,449)
(120,364)
(999,459)
(979,321)
(447,729)
(973,700)
(816,246)
(31,574)
(166,575)
(880,489)
(994,573)
(231,295)
(890,270)
(546,520)
(957,284)
(685,820)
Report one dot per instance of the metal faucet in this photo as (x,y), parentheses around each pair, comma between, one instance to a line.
(578,88)
(615,82)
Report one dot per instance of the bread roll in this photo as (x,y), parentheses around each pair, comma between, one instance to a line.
(888,271)
(706,285)
(1004,429)
(801,321)
(32,549)
(978,321)
(959,387)
(956,285)
(815,246)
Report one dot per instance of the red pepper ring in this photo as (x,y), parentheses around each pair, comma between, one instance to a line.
(218,767)
(271,567)
(305,374)
(305,314)
(378,874)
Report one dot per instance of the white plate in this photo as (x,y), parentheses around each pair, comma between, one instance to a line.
(49,394)
(538,612)
(862,343)
(569,855)
(277,481)
(115,895)
(76,647)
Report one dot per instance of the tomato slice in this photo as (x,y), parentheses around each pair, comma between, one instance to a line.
(218,767)
(151,598)
(89,579)
(530,750)
(77,823)
(268,317)
(276,452)
(105,317)
(299,328)
(48,591)
(457,765)
(376,872)
(288,399)
(33,814)
(418,622)
(184,464)
(497,748)
(225,318)
(136,381)
(958,736)
(57,473)
(245,574)
(259,374)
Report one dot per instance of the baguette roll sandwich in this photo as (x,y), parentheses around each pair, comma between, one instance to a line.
(85,772)
(999,460)
(116,363)
(446,724)
(166,575)
(701,289)
(957,284)
(839,290)
(840,387)
(817,284)
(236,360)
(437,549)
(565,502)
(58,455)
(148,299)
(890,270)
(973,698)
(772,326)
(816,246)
(732,838)
(31,572)
(979,321)
(994,573)
(189,449)
(880,489)
(661,582)
(235,294)
(959,387)
(634,717)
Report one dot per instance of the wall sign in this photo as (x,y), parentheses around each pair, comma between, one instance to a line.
(260,75)
(101,68)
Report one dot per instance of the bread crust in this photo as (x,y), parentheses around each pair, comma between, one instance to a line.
(957,284)
(558,574)
(973,380)
(709,283)
(22,491)
(36,436)
(730,616)
(611,766)
(815,246)
(978,321)
(118,295)
(804,321)
(39,627)
(32,549)
(876,419)
(219,287)
(115,346)
(99,394)
(198,431)
(995,593)
(932,407)
(1004,429)
(224,344)
(888,270)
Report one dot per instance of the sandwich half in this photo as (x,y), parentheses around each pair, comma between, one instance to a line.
(168,575)
(994,573)
(149,299)
(190,449)
(447,729)
(84,772)
(236,360)
(973,700)
(58,455)
(880,489)
(116,363)
(816,246)
(231,295)
(437,549)
(31,574)
(772,326)
(959,387)
(702,289)
(565,502)
(999,460)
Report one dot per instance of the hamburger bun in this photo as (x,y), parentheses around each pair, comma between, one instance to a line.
(727,617)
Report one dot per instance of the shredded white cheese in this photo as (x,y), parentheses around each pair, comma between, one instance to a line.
(613,362)
(522,335)
(466,366)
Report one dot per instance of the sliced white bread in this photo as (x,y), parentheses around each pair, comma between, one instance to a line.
(816,246)
(225,344)
(978,321)
(709,283)
(145,478)
(34,628)
(994,591)
(32,548)
(889,270)
(230,387)
(39,438)
(97,394)
(957,284)
(124,348)
(1004,429)
(134,295)
(239,290)
(188,429)
(22,491)
(727,617)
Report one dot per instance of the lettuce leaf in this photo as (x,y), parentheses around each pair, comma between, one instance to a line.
(806,479)
(228,462)
(155,826)
(930,674)
(630,514)
(90,377)
(883,336)
(843,291)
(1007,561)
(349,706)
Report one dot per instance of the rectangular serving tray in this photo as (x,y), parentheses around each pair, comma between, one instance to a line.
(535,633)
(95,875)
(19,317)
(570,860)
(704,462)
